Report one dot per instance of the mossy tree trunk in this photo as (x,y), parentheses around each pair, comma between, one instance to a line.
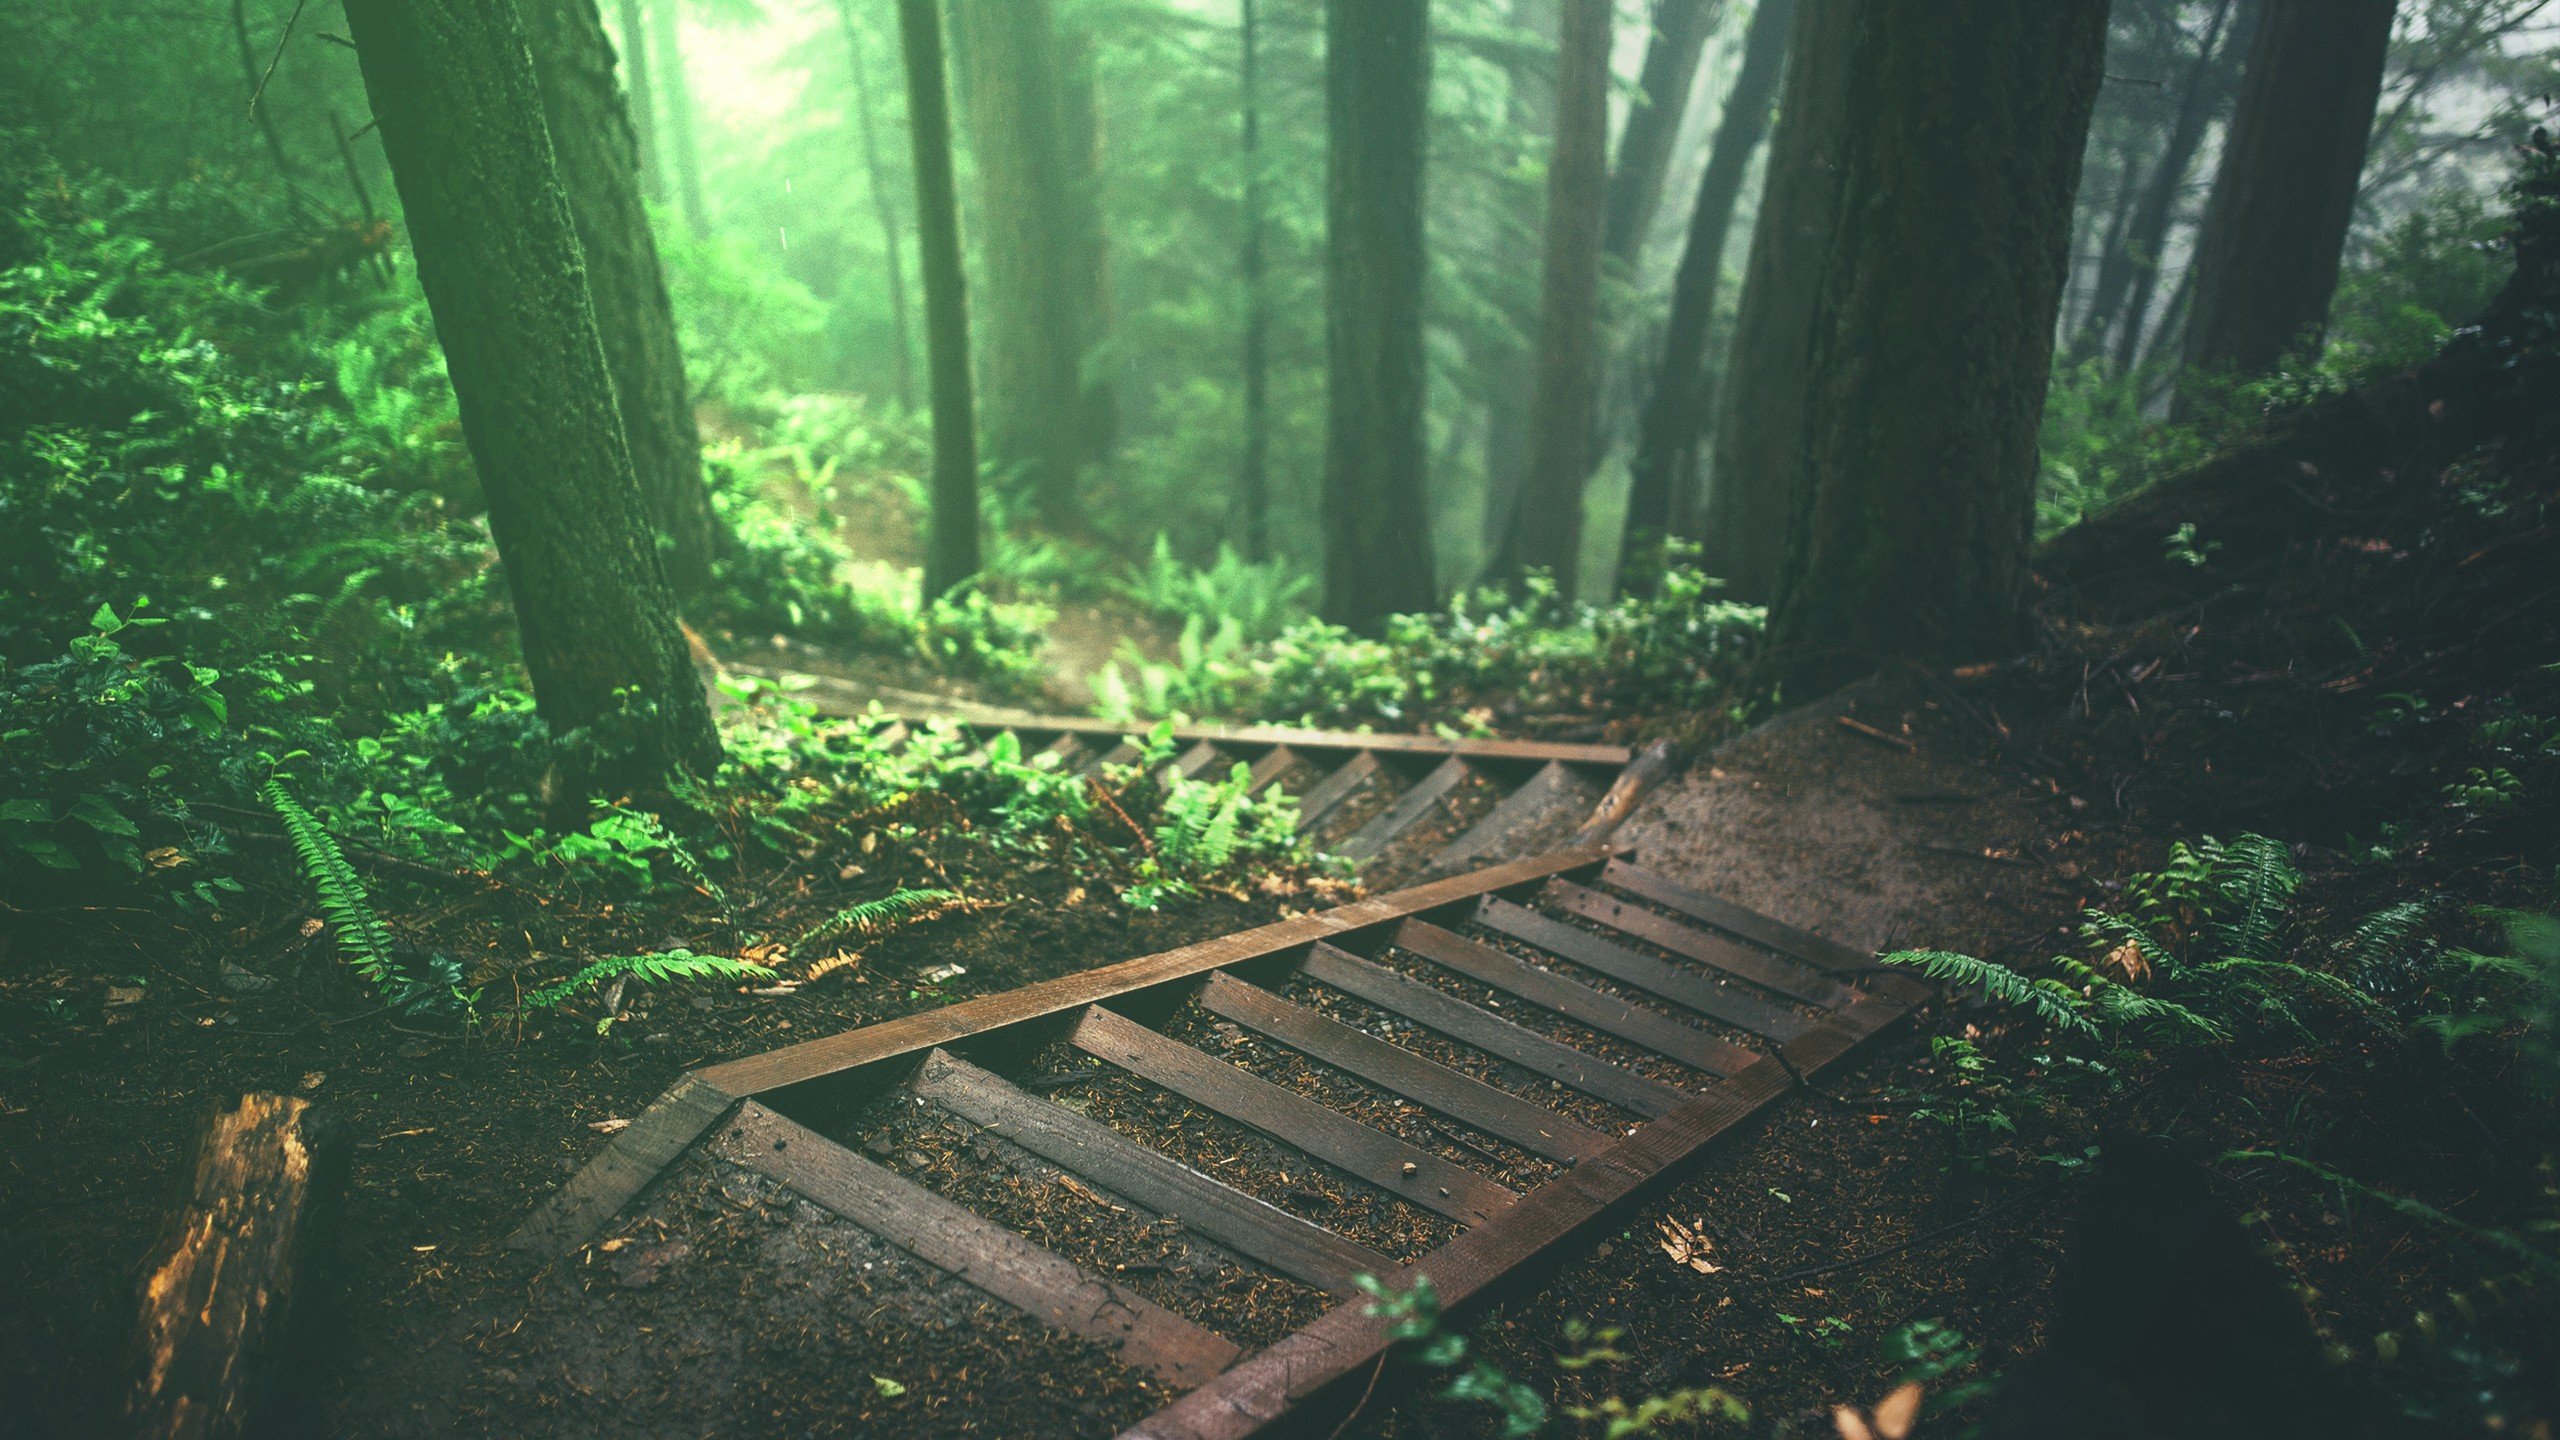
(1377,519)
(1568,322)
(453,90)
(951,548)
(1682,399)
(2275,229)
(1760,406)
(1031,351)
(1933,340)
(599,161)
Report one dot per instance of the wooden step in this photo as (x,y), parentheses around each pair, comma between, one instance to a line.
(1788,976)
(1575,1001)
(1654,977)
(1411,809)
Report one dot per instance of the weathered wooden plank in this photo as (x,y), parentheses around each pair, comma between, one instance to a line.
(1070,753)
(1347,1340)
(1144,1178)
(1476,1026)
(1785,974)
(1604,1012)
(1191,763)
(1329,794)
(1411,808)
(1275,762)
(1554,781)
(1362,1151)
(572,1214)
(1123,753)
(913,1034)
(1751,925)
(948,1237)
(1436,1087)
(1681,987)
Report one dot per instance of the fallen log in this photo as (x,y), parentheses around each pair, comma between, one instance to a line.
(217,1294)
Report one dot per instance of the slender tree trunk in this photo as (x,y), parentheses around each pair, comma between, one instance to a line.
(1088,239)
(453,90)
(884,207)
(1933,342)
(1253,479)
(2275,229)
(642,86)
(1510,361)
(1377,520)
(1676,412)
(2131,267)
(1031,358)
(1760,408)
(680,147)
(1568,323)
(599,162)
(2150,237)
(253,71)
(1679,36)
(951,551)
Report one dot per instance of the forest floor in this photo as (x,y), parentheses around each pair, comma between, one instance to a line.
(2319,680)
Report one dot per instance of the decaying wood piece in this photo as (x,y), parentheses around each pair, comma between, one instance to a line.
(218,1292)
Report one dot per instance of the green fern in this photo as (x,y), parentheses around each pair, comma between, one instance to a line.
(666,965)
(872,914)
(2051,1001)
(2253,881)
(344,903)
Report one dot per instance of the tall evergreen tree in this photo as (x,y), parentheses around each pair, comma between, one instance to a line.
(599,163)
(1933,340)
(1676,410)
(1253,475)
(680,146)
(1677,39)
(951,549)
(460,113)
(1377,519)
(636,79)
(1760,406)
(1031,354)
(884,205)
(2275,229)
(1568,323)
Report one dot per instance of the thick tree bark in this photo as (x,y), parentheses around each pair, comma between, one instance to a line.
(1377,519)
(884,207)
(2276,227)
(2130,268)
(599,162)
(1253,477)
(219,1290)
(681,148)
(461,118)
(637,79)
(951,550)
(1031,350)
(1933,341)
(1568,322)
(1679,36)
(1759,421)
(1676,412)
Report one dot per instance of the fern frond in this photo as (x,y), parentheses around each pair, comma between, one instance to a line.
(2288,972)
(653,969)
(2120,1004)
(344,903)
(871,916)
(2381,936)
(2054,1003)
(2253,881)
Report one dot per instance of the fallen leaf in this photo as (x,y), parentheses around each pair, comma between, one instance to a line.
(608,1127)
(311,927)
(936,974)
(165,857)
(1687,1246)
(314,1079)
(1898,1411)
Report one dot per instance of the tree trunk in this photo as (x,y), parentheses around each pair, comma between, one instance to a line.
(1510,360)
(884,208)
(1253,479)
(638,81)
(2130,267)
(2149,239)
(599,162)
(461,117)
(1933,341)
(1377,520)
(1679,36)
(2276,227)
(951,550)
(253,76)
(1088,239)
(1568,322)
(219,1290)
(1676,412)
(682,150)
(1759,418)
